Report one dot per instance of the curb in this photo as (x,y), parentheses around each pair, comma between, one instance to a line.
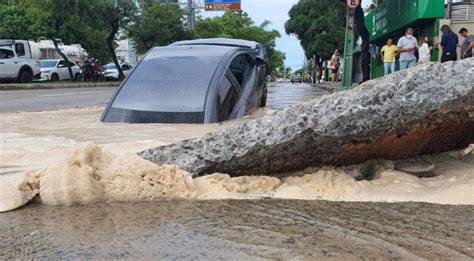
(325,87)
(37,86)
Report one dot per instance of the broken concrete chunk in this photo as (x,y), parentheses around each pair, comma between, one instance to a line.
(423,110)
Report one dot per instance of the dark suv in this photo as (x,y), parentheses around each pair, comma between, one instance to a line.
(296,78)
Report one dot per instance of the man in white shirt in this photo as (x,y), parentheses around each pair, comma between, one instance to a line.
(407,45)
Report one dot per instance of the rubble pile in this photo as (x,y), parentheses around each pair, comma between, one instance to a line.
(424,110)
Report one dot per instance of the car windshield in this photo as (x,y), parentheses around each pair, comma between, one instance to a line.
(48,63)
(171,79)
(110,66)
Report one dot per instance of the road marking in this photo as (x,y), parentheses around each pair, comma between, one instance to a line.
(68,94)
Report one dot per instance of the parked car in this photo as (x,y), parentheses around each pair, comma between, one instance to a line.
(197,81)
(17,62)
(296,78)
(111,72)
(57,70)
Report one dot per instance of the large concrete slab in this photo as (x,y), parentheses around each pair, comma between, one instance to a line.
(423,110)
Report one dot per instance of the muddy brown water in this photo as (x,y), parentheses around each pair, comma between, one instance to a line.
(239,230)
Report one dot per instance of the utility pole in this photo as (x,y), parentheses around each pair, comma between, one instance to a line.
(348,46)
(191,15)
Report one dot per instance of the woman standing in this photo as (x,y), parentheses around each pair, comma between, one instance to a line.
(424,51)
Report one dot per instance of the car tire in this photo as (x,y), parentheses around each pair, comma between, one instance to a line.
(263,102)
(54,77)
(25,76)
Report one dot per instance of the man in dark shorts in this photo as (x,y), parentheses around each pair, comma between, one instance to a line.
(449,43)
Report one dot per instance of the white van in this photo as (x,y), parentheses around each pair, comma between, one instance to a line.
(17,62)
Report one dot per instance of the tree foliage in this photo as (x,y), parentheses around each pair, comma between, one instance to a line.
(157,25)
(319,25)
(21,21)
(241,26)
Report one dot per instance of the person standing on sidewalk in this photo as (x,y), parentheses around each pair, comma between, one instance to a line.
(407,45)
(334,65)
(449,43)
(468,43)
(389,52)
(424,51)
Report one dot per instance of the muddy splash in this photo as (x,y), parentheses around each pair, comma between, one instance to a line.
(91,174)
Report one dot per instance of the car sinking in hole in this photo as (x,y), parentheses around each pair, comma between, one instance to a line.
(195,81)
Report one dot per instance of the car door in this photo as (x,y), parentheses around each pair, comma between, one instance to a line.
(126,69)
(243,71)
(9,66)
(75,69)
(63,72)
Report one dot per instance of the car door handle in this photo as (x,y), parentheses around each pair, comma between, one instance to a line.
(2,63)
(15,62)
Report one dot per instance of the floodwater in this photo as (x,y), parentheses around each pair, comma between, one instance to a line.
(239,230)
(263,224)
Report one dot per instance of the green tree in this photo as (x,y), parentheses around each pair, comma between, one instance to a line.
(319,25)
(157,25)
(21,21)
(76,21)
(241,26)
(119,14)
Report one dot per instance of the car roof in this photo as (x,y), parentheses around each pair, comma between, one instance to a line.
(186,50)
(257,48)
(219,41)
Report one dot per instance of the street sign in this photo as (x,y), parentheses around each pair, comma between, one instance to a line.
(223,5)
(353,4)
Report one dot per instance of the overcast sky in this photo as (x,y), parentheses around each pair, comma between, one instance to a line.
(277,12)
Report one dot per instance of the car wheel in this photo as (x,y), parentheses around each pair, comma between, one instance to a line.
(25,77)
(54,77)
(263,102)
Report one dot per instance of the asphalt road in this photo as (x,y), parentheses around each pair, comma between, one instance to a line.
(280,96)
(54,99)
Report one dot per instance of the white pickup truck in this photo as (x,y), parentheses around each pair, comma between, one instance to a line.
(17,62)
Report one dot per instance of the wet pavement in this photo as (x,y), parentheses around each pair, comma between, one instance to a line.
(239,230)
(282,95)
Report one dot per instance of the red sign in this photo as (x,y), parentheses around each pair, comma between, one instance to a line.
(232,7)
(353,4)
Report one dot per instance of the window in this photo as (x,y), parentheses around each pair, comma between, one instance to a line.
(72,64)
(170,80)
(125,67)
(20,49)
(227,99)
(6,54)
(61,64)
(239,68)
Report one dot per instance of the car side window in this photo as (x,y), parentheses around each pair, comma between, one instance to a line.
(72,64)
(125,67)
(6,54)
(20,49)
(239,68)
(60,64)
(227,99)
